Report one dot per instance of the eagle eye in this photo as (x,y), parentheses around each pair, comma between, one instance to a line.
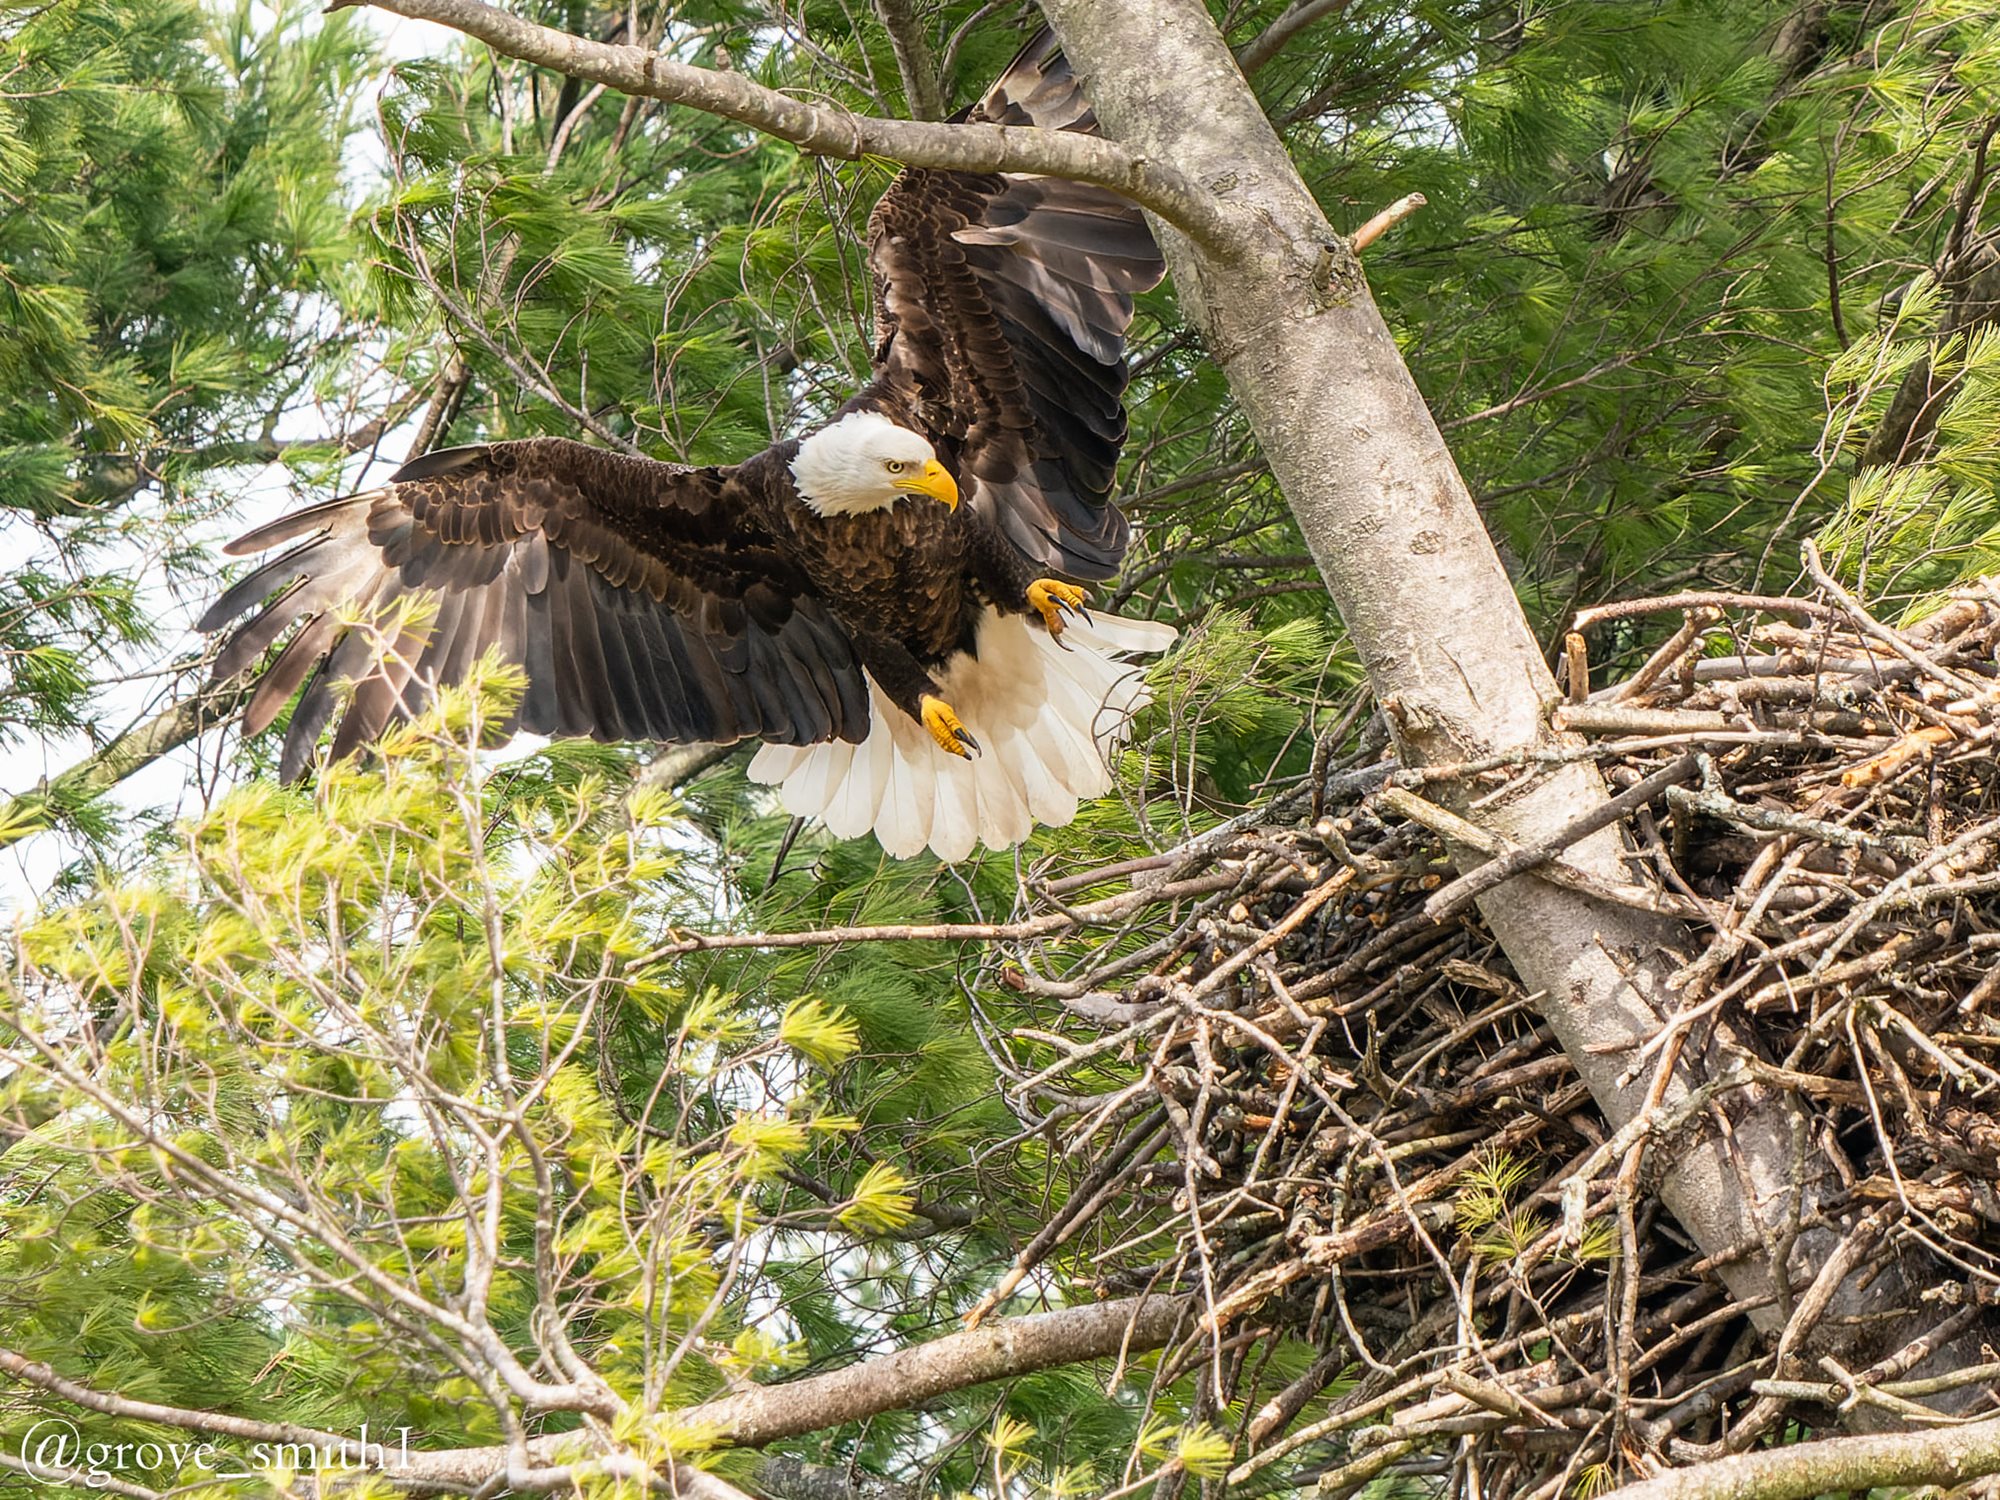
(896,466)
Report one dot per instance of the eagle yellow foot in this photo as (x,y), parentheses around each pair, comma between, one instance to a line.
(951,736)
(1053,598)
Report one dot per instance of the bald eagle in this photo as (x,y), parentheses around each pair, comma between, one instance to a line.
(891,603)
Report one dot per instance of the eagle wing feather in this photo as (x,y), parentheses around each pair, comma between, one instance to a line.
(643,600)
(1002,306)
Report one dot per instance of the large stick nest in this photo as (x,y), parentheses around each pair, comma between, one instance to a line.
(1353,1126)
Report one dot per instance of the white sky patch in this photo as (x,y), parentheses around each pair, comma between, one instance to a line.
(404,38)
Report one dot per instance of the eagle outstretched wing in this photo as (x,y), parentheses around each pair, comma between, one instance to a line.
(643,600)
(1002,304)
(648,601)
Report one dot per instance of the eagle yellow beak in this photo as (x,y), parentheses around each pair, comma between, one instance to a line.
(935,481)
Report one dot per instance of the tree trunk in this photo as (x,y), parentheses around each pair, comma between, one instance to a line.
(1408,563)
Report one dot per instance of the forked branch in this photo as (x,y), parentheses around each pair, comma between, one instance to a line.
(827,131)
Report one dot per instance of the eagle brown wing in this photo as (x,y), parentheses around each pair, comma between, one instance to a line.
(643,600)
(1002,304)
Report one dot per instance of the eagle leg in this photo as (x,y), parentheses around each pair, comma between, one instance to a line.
(906,682)
(1052,599)
(951,736)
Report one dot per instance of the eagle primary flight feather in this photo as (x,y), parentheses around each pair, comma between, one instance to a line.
(917,667)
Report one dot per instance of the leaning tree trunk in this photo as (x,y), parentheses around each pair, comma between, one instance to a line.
(1286,314)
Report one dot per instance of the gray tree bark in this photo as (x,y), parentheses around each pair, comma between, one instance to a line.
(1287,315)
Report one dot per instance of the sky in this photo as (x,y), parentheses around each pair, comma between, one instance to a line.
(176,781)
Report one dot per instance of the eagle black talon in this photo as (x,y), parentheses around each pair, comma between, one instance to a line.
(1053,599)
(952,737)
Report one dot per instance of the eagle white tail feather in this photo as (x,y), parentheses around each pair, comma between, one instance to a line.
(1045,717)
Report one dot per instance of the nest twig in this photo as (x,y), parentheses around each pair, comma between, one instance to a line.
(1352,1126)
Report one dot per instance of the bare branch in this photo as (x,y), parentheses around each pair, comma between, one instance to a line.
(921,87)
(1448,824)
(1109,910)
(891,1382)
(903,1380)
(1387,220)
(823,131)
(1456,896)
(45,1473)
(32,812)
(690,1483)
(1267,45)
(1949,1456)
(1623,609)
(216,1423)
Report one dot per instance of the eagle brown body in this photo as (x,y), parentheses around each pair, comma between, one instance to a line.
(904,574)
(657,601)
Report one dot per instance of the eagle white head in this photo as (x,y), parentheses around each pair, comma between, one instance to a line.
(866,462)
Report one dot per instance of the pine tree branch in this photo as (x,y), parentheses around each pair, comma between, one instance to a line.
(1972,281)
(825,131)
(448,391)
(1268,43)
(1221,474)
(114,478)
(676,764)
